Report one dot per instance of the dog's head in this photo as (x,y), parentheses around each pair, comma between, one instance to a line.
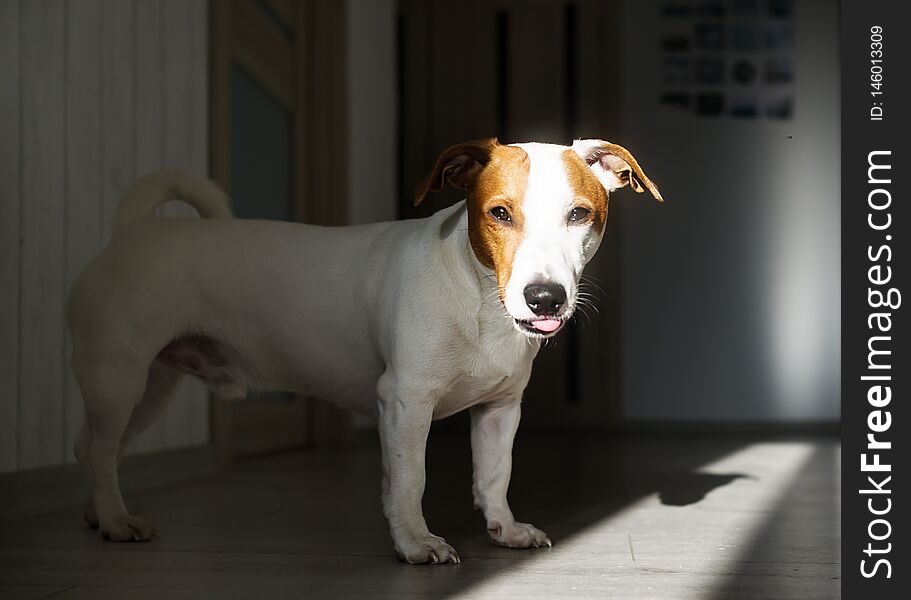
(536,215)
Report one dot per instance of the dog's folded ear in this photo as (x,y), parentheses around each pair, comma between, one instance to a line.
(459,165)
(614,166)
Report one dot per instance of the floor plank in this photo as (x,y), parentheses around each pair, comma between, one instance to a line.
(29,592)
(638,517)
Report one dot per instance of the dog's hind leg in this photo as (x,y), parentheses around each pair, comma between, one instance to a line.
(81,451)
(111,392)
(159,389)
(159,386)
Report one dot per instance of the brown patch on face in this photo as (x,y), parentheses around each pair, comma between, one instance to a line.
(502,182)
(588,191)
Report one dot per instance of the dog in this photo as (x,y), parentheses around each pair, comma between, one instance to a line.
(405,322)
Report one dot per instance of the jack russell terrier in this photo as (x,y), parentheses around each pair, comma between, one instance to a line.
(405,322)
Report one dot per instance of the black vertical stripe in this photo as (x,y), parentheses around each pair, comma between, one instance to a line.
(502,58)
(570,71)
(404,198)
(570,123)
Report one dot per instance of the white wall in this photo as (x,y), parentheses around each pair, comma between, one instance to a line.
(731,290)
(372,111)
(94,93)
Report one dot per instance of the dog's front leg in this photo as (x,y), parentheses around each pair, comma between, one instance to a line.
(403,424)
(493,428)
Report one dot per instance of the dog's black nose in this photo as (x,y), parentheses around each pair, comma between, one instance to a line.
(545,299)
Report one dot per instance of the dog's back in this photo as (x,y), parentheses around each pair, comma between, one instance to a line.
(198,294)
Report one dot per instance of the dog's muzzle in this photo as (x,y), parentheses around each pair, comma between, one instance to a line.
(546,301)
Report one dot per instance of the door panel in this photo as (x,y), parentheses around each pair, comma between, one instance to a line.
(521,70)
(262,151)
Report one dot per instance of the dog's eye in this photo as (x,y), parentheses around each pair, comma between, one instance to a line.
(500,214)
(578,214)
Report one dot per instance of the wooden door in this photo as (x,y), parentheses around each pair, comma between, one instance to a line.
(276,81)
(522,70)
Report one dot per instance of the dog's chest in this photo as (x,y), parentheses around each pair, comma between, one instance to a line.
(496,371)
(467,391)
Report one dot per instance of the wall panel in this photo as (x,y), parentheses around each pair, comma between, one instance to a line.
(117,103)
(42,233)
(83,186)
(94,93)
(9,234)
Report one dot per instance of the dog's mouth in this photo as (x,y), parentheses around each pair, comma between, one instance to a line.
(543,327)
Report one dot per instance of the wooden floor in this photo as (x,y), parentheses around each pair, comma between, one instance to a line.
(643,517)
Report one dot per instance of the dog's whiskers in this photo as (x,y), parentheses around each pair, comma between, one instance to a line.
(589,280)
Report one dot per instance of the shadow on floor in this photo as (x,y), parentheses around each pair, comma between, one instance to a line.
(690,488)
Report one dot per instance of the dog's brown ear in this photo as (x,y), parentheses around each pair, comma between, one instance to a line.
(615,166)
(459,165)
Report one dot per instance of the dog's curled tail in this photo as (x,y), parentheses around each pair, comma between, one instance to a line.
(149,191)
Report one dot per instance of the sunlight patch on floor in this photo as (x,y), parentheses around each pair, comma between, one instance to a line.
(649,549)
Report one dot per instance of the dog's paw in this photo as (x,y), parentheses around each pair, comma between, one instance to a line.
(90,516)
(424,549)
(127,529)
(517,535)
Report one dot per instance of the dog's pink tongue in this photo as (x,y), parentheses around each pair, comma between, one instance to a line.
(546,325)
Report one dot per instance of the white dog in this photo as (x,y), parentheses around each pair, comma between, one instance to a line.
(406,321)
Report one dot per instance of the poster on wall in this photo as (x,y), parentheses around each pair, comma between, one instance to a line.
(727,58)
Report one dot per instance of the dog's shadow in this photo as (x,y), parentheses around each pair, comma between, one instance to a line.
(683,489)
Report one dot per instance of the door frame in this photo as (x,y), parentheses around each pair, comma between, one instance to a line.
(297,52)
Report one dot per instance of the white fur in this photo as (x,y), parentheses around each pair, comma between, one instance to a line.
(398,321)
(552,250)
